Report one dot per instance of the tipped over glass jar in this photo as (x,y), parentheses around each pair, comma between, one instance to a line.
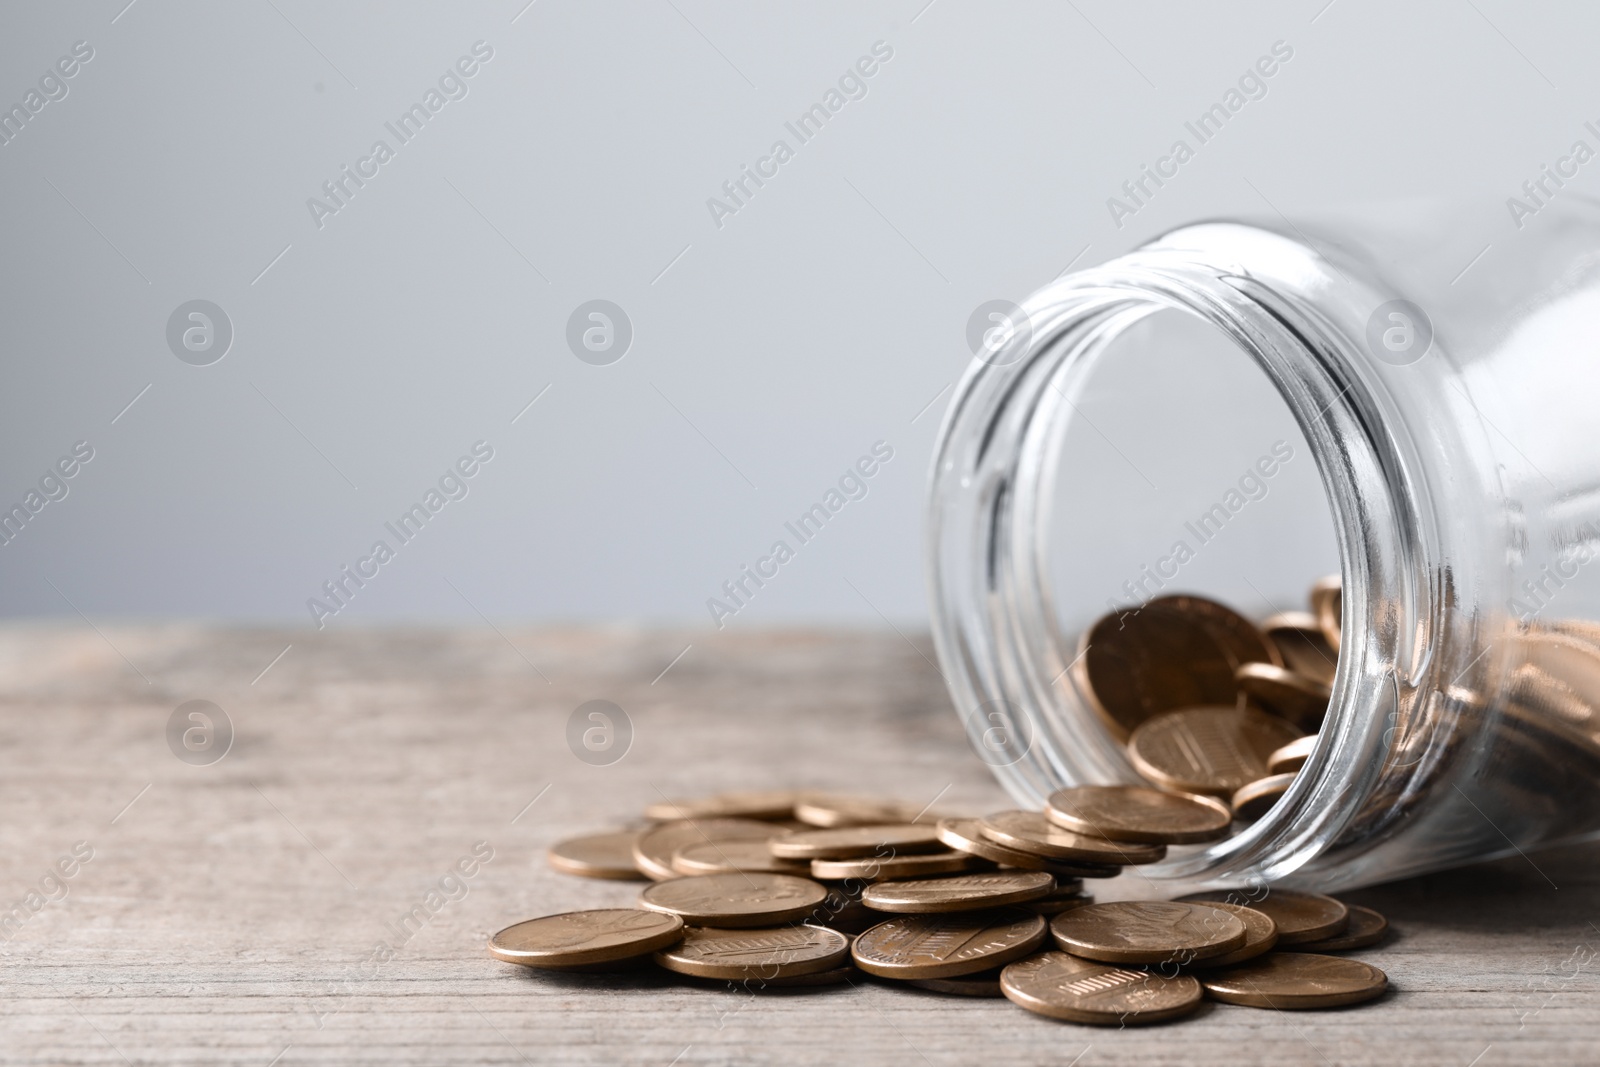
(1229,413)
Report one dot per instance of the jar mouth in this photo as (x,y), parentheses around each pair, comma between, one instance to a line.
(1000,444)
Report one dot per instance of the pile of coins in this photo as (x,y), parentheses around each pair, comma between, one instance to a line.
(779,890)
(1209,703)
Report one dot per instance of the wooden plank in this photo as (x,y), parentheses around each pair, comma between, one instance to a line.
(230,913)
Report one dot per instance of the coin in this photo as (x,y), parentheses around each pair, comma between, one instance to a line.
(1296,980)
(1299,917)
(844,911)
(766,804)
(848,842)
(603,855)
(879,868)
(1082,991)
(982,984)
(1029,831)
(1211,750)
(735,900)
(1293,756)
(963,892)
(944,946)
(1299,640)
(1173,652)
(1254,800)
(828,810)
(1366,928)
(1056,903)
(726,857)
(1260,935)
(844,975)
(1148,931)
(582,938)
(1327,605)
(1299,698)
(964,835)
(654,850)
(764,954)
(1136,813)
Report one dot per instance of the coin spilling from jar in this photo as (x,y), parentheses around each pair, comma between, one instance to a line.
(793,890)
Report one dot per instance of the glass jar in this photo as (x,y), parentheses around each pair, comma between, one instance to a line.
(1442,371)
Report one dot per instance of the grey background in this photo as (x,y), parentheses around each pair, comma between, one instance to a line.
(769,354)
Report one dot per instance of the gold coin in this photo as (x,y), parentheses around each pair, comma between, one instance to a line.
(654,850)
(1299,698)
(1029,831)
(1297,980)
(982,984)
(1260,935)
(1082,991)
(963,892)
(944,946)
(603,855)
(767,804)
(880,868)
(583,938)
(1137,813)
(965,835)
(1148,931)
(760,955)
(849,842)
(1299,917)
(1366,928)
(830,810)
(1173,652)
(728,857)
(1299,640)
(1327,606)
(735,900)
(1212,750)
(1293,756)
(1252,801)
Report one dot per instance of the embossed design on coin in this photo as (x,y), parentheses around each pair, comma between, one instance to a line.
(580,938)
(1082,991)
(963,892)
(882,868)
(1029,831)
(735,900)
(1260,935)
(1366,928)
(1148,931)
(605,855)
(1299,917)
(851,841)
(728,857)
(943,946)
(1212,750)
(1135,813)
(655,848)
(764,954)
(964,835)
(764,804)
(1297,980)
(1172,652)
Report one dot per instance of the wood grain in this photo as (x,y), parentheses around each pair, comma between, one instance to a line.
(230,913)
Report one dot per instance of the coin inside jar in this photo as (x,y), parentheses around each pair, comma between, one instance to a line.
(964,835)
(850,842)
(1210,750)
(778,952)
(1299,917)
(1298,698)
(1029,831)
(735,900)
(727,857)
(962,892)
(1137,813)
(1297,981)
(655,848)
(1293,756)
(1254,800)
(1327,606)
(1299,641)
(1082,991)
(1172,652)
(604,855)
(584,938)
(943,946)
(1148,931)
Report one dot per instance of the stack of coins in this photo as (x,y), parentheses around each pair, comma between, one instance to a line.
(1207,702)
(784,890)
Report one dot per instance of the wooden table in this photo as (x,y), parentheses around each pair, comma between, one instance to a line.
(255,910)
